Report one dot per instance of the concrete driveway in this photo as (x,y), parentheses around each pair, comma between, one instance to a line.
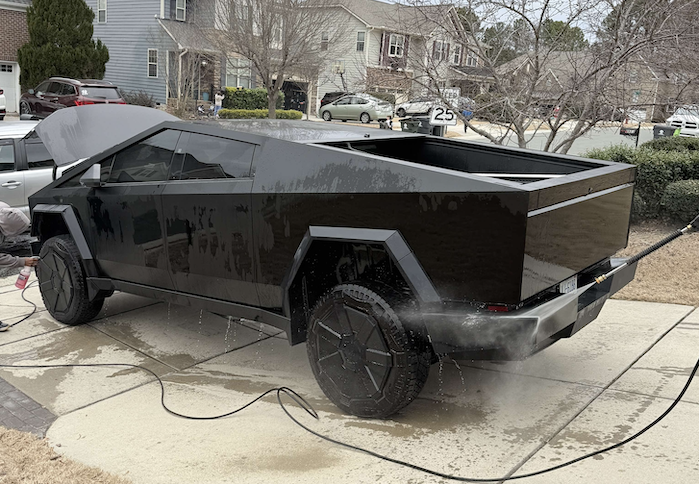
(473,419)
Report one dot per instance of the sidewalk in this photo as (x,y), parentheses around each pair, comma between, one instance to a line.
(473,419)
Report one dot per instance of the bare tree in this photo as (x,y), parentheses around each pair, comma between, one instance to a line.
(559,85)
(277,36)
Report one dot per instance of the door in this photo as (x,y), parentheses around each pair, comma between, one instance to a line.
(341,108)
(38,101)
(359,106)
(39,165)
(207,208)
(8,83)
(11,179)
(127,212)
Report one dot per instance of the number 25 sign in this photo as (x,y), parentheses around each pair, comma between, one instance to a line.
(442,116)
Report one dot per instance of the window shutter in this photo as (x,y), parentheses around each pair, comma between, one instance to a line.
(406,46)
(385,39)
(447,56)
(434,49)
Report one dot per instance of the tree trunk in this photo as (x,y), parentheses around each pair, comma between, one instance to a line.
(272,95)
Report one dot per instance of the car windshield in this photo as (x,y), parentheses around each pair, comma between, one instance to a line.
(99,92)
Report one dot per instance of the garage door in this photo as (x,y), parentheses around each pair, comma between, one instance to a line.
(7,84)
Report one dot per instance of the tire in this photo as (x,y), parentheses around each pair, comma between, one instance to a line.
(2,118)
(63,284)
(400,113)
(365,118)
(348,322)
(327,116)
(25,108)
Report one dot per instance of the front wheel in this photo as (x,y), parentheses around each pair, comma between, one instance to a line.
(365,118)
(364,358)
(327,116)
(24,108)
(63,284)
(400,113)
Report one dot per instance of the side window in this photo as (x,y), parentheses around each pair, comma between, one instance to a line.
(54,88)
(344,100)
(359,100)
(7,155)
(146,161)
(67,90)
(37,155)
(43,87)
(207,157)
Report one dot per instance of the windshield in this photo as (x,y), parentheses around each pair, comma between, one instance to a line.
(99,92)
(687,112)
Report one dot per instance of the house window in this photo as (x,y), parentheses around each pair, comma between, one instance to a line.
(636,95)
(181,10)
(457,55)
(472,60)
(238,73)
(439,50)
(102,11)
(152,62)
(360,41)
(396,43)
(324,40)
(633,77)
(5,67)
(548,82)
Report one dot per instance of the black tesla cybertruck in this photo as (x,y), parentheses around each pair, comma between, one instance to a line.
(379,249)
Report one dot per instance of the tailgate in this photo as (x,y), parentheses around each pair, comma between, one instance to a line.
(583,221)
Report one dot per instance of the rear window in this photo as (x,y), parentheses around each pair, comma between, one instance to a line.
(99,92)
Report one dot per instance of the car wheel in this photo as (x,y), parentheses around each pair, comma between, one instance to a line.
(327,116)
(2,118)
(363,357)
(25,108)
(365,118)
(400,113)
(63,284)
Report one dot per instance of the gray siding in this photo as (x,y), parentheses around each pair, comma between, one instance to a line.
(131,29)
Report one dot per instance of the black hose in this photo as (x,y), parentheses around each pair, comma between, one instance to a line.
(654,247)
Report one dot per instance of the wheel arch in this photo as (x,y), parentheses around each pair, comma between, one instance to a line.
(328,256)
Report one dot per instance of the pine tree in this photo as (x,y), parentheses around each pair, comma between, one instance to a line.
(60,43)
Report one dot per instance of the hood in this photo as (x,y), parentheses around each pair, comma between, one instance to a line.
(12,220)
(83,131)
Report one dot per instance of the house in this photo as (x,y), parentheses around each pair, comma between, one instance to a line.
(13,34)
(154,47)
(383,47)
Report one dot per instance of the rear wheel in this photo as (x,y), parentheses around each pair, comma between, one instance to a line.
(327,116)
(365,118)
(63,284)
(363,357)
(400,113)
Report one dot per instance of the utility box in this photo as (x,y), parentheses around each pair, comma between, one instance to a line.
(663,131)
(421,125)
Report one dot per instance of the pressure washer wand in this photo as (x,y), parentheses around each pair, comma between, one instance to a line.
(650,250)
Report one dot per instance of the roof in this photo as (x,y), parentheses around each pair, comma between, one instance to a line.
(474,71)
(16,129)
(402,18)
(187,36)
(303,131)
(18,2)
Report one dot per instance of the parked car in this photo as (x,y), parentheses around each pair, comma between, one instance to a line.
(333,96)
(687,119)
(358,107)
(420,105)
(378,248)
(60,92)
(3,107)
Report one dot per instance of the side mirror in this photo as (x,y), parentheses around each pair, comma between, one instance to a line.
(31,91)
(91,178)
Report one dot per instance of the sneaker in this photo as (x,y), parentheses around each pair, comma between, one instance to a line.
(4,327)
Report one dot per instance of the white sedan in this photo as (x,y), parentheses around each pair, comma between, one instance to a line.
(3,109)
(420,105)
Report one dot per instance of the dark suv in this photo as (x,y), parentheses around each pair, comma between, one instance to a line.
(59,92)
(379,249)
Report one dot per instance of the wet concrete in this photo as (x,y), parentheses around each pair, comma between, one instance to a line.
(472,419)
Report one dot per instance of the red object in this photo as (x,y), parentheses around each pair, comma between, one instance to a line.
(1,91)
(23,278)
(498,309)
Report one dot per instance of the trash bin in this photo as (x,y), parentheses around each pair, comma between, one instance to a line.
(663,130)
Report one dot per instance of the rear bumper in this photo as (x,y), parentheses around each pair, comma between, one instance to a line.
(515,335)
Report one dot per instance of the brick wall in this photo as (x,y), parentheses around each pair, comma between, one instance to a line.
(13,33)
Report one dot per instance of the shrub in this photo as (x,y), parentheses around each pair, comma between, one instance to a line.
(680,200)
(241,98)
(618,153)
(139,98)
(384,96)
(674,143)
(258,114)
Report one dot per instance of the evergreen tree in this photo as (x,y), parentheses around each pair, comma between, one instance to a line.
(558,35)
(60,43)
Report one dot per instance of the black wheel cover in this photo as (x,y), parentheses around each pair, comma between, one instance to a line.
(56,283)
(363,358)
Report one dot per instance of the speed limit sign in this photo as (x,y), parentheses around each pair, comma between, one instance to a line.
(442,116)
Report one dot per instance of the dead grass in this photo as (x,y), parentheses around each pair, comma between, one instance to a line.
(669,275)
(25,459)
